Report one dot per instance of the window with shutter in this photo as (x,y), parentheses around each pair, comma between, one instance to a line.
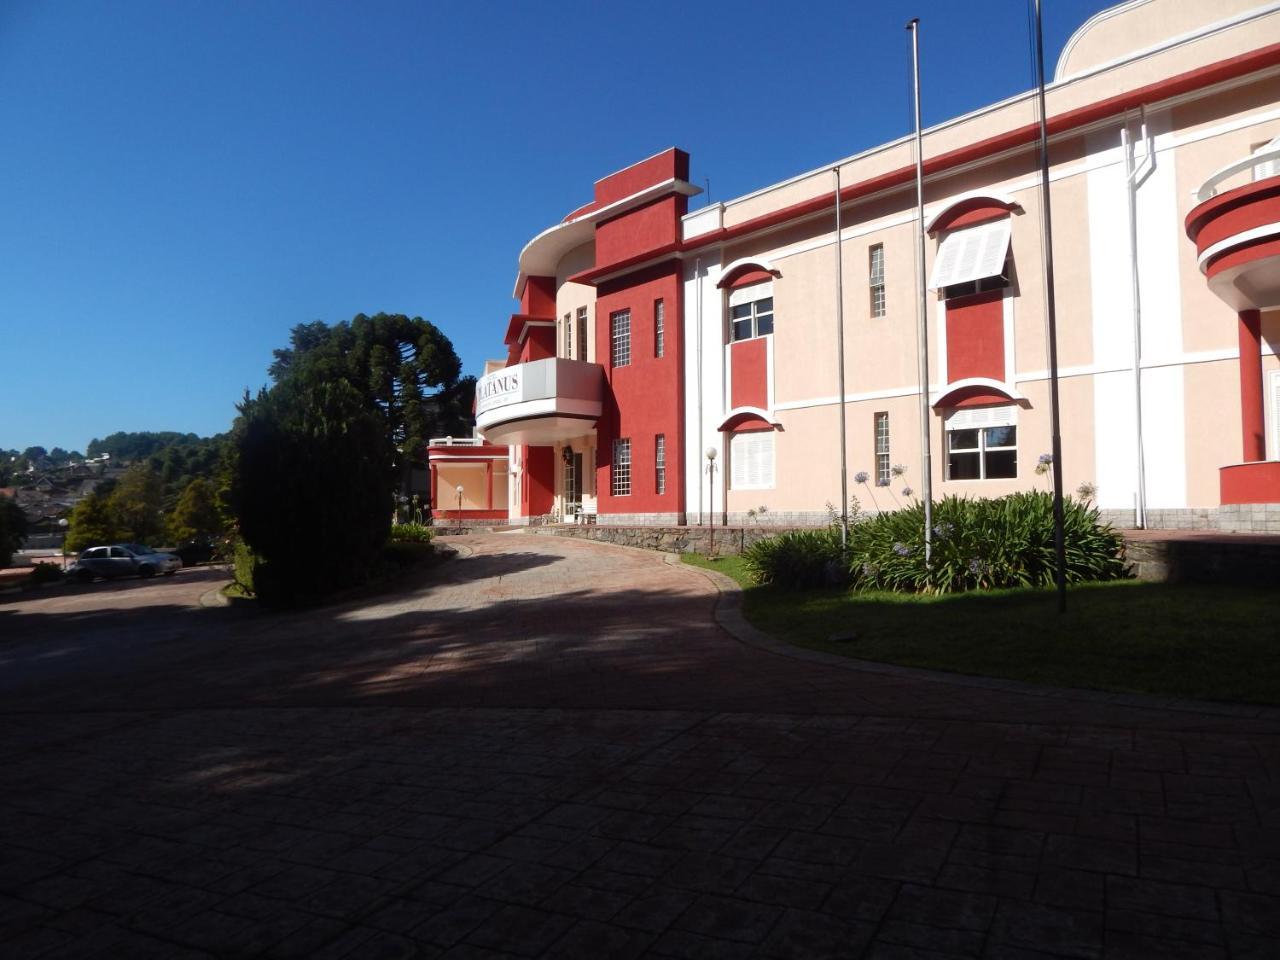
(972,254)
(751,460)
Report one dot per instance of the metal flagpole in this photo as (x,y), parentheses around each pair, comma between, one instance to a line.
(922,320)
(844,459)
(1059,540)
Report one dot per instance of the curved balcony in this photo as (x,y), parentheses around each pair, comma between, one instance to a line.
(541,402)
(1237,238)
(1237,231)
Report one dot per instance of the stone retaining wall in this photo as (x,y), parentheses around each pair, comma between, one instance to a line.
(1206,559)
(716,541)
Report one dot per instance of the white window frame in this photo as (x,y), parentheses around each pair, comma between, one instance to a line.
(660,463)
(753,295)
(884,475)
(620,338)
(568,335)
(659,327)
(751,460)
(875,271)
(620,468)
(582,333)
(980,419)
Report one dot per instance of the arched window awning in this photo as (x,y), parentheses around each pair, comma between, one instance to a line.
(749,270)
(970,210)
(977,392)
(746,418)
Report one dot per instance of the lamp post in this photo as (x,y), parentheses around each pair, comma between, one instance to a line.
(62,523)
(711,486)
(458,491)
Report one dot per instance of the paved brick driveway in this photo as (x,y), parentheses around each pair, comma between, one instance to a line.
(550,749)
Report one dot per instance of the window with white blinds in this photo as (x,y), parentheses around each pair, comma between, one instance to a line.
(971,254)
(982,443)
(751,460)
(1273,393)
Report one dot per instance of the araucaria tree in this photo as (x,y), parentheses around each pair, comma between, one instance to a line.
(311,482)
(405,367)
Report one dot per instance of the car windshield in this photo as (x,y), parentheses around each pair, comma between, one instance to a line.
(137,548)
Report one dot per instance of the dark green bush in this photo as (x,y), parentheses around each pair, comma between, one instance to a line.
(311,488)
(13,530)
(796,558)
(982,543)
(244,564)
(45,573)
(411,533)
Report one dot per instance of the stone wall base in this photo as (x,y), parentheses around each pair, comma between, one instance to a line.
(1228,518)
(1249,518)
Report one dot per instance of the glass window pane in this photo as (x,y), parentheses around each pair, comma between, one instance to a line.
(1002,464)
(963,466)
(742,329)
(1002,436)
(741,310)
(765,305)
(963,439)
(764,324)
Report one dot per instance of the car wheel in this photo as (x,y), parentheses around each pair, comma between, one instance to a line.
(84,576)
(170,573)
(146,571)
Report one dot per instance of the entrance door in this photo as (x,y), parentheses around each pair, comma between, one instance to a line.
(573,485)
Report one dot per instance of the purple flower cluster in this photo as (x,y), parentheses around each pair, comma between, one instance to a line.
(902,550)
(860,477)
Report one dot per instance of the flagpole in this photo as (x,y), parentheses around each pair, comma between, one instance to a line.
(844,459)
(1059,539)
(922,321)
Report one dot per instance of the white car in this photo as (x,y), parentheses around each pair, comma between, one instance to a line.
(124,560)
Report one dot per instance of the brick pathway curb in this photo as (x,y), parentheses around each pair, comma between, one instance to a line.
(728,614)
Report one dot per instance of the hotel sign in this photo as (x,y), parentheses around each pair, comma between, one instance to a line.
(499,388)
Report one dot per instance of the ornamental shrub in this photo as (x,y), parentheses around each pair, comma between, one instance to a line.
(797,559)
(982,543)
(411,533)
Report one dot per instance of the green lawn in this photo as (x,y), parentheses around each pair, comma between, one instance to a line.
(1206,642)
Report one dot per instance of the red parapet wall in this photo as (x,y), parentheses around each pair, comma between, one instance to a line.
(1250,482)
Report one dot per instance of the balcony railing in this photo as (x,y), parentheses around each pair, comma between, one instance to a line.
(1265,163)
(455,442)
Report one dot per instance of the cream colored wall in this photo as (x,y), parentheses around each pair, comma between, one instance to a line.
(1136,26)
(571,296)
(1208,323)
(1061,98)
(1213,427)
(474,487)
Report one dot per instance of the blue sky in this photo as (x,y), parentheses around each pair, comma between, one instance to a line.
(184,181)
